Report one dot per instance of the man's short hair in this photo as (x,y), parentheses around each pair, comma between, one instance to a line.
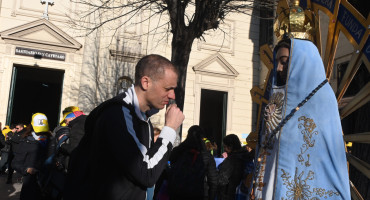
(283,44)
(12,126)
(152,66)
(20,124)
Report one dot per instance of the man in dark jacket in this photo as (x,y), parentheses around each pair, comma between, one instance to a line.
(70,138)
(5,151)
(117,157)
(231,169)
(66,138)
(192,173)
(13,140)
(2,141)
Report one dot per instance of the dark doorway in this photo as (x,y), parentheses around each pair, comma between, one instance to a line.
(213,110)
(35,90)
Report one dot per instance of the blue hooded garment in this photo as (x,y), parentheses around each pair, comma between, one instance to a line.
(307,158)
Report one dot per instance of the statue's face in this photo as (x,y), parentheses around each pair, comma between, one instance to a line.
(282,58)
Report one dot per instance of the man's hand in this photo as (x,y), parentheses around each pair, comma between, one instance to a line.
(174,117)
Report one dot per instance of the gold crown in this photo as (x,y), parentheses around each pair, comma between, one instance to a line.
(297,23)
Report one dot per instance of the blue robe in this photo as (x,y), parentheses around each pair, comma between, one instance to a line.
(306,158)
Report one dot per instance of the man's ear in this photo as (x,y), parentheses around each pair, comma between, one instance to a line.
(145,81)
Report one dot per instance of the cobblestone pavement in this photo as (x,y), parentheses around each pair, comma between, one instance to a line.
(10,191)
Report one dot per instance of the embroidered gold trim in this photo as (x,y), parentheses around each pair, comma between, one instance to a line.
(308,126)
(323,193)
(298,188)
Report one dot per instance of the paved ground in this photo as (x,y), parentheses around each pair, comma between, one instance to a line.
(10,191)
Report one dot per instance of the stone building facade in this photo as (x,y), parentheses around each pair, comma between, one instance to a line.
(47,65)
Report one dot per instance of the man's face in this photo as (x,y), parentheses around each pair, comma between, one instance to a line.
(68,120)
(282,58)
(160,91)
(18,128)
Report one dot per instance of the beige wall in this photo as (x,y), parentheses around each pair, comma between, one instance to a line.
(238,50)
(19,20)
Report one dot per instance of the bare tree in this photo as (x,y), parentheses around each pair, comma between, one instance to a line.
(104,72)
(183,21)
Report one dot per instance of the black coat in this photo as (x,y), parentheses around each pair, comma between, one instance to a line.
(210,185)
(2,141)
(231,173)
(15,139)
(5,143)
(76,132)
(112,159)
(29,154)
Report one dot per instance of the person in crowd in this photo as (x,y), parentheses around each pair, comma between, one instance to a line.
(61,129)
(12,140)
(301,143)
(31,154)
(67,111)
(243,190)
(75,122)
(117,158)
(19,127)
(231,169)
(5,151)
(67,139)
(192,173)
(3,148)
(2,140)
(211,146)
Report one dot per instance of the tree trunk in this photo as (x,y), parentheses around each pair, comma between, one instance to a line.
(184,35)
(181,48)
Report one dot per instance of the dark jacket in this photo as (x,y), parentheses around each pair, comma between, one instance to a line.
(2,141)
(116,158)
(74,132)
(77,131)
(210,171)
(57,132)
(5,143)
(14,139)
(29,154)
(230,174)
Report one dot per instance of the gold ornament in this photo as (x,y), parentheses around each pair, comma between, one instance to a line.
(297,23)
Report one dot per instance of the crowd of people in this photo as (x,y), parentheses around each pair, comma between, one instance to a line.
(39,155)
(116,153)
(42,156)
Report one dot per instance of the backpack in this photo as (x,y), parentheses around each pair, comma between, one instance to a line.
(186,176)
